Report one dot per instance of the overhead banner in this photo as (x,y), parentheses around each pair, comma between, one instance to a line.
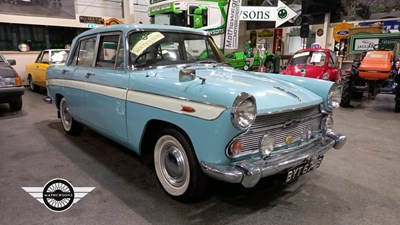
(232,25)
(280,14)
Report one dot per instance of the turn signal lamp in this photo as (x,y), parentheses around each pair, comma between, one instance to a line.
(18,82)
(236,148)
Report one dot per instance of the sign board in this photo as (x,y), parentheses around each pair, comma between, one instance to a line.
(91,19)
(232,25)
(280,14)
(112,21)
(366,42)
(388,25)
(341,31)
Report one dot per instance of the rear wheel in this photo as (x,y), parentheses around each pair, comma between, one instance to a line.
(70,125)
(177,167)
(346,91)
(32,85)
(16,105)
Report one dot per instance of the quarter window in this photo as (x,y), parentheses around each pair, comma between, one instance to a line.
(108,53)
(85,52)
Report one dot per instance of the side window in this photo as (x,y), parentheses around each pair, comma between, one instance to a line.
(84,54)
(331,63)
(39,58)
(43,58)
(108,50)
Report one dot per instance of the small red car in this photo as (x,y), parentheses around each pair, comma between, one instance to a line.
(316,63)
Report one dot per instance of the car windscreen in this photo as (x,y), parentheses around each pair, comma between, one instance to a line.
(59,56)
(311,58)
(153,48)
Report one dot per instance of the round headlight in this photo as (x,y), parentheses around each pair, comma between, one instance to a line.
(325,76)
(244,111)
(334,96)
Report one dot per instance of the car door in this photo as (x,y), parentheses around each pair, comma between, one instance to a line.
(40,67)
(106,85)
(74,74)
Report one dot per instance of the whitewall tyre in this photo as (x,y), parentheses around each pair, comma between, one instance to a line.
(70,126)
(177,168)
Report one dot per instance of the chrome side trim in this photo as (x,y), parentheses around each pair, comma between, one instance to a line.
(160,95)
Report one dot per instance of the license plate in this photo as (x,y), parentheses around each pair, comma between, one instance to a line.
(296,172)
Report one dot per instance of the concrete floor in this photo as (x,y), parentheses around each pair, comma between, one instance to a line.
(355,185)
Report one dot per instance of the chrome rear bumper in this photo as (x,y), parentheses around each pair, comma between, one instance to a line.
(248,173)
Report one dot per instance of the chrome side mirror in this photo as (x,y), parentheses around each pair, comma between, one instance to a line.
(186,75)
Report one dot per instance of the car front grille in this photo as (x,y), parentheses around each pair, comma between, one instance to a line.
(281,125)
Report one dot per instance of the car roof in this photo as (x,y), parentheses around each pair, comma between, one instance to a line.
(126,28)
(314,49)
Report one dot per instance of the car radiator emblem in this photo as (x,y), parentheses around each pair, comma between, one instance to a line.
(289,139)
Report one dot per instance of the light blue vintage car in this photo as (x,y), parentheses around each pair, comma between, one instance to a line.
(144,87)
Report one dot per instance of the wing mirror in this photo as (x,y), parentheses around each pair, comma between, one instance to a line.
(186,75)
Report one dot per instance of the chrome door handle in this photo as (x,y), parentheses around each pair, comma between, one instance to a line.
(88,74)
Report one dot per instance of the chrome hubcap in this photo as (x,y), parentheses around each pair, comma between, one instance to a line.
(174,166)
(31,85)
(65,115)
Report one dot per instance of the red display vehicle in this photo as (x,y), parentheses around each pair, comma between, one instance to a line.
(314,62)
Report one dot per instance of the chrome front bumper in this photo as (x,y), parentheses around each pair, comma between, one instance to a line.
(248,172)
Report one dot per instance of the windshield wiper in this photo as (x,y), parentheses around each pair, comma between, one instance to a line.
(215,63)
(206,61)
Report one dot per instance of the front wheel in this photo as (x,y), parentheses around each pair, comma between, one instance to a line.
(346,91)
(177,167)
(70,125)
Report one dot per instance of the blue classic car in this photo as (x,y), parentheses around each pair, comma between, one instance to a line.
(144,87)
